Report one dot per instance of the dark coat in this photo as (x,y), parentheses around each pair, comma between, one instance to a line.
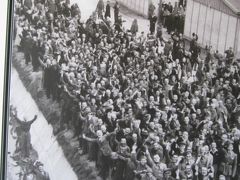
(108,11)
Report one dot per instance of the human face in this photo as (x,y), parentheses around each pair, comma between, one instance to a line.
(230,147)
(189,156)
(99,134)
(100,122)
(103,128)
(143,161)
(182,147)
(206,149)
(186,120)
(156,158)
(224,137)
(204,171)
(202,151)
(175,98)
(185,135)
(134,136)
(214,145)
(84,105)
(175,158)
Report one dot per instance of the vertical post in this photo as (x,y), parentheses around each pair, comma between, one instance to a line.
(206,15)
(143,6)
(236,44)
(136,5)
(139,6)
(219,31)
(191,19)
(227,33)
(212,27)
(199,11)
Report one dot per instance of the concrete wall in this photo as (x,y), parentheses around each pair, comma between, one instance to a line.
(213,27)
(138,6)
(141,6)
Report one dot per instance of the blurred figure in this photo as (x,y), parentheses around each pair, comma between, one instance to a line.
(153,21)
(108,10)
(116,12)
(100,9)
(134,27)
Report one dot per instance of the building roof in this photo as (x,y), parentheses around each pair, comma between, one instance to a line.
(234,5)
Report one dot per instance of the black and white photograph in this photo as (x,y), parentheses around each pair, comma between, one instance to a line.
(123,90)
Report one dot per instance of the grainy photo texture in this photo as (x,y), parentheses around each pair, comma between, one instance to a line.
(124,90)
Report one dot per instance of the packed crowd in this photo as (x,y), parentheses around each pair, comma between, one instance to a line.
(142,107)
(171,17)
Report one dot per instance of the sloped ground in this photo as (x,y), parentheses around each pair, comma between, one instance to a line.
(42,139)
(42,131)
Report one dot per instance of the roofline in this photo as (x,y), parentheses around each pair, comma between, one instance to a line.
(234,9)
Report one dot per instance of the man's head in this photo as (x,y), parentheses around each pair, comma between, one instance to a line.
(103,128)
(202,151)
(175,98)
(143,160)
(186,120)
(156,158)
(99,133)
(175,158)
(204,171)
(206,149)
(123,142)
(230,147)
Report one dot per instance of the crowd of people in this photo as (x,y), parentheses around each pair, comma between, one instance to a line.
(174,17)
(170,17)
(142,107)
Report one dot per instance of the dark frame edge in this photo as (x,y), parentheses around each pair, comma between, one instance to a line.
(6,89)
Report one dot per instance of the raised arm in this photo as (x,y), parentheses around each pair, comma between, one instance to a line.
(149,159)
(34,119)
(234,167)
(88,138)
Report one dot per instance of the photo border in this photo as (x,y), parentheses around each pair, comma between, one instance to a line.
(6,15)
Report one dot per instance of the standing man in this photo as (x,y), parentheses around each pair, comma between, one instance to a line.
(24,140)
(100,9)
(151,10)
(153,21)
(27,48)
(108,10)
(116,12)
(35,54)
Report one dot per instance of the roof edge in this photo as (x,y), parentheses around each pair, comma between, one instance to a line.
(231,6)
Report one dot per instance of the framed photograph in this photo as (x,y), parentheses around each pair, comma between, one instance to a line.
(121,90)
